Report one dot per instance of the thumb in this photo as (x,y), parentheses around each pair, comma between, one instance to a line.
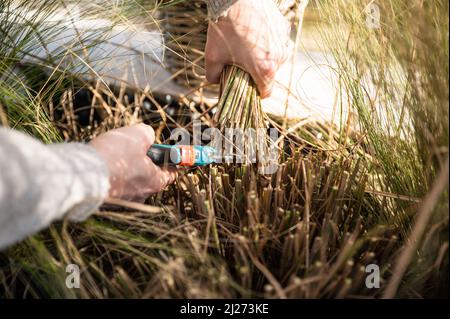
(146,133)
(215,58)
(214,70)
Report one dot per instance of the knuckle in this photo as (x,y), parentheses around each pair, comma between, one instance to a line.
(165,181)
(267,91)
(267,69)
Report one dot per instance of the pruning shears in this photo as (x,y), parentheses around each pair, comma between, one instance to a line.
(182,155)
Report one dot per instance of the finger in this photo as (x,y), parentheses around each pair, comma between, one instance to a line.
(172,174)
(214,70)
(167,176)
(214,57)
(147,133)
(264,80)
(266,90)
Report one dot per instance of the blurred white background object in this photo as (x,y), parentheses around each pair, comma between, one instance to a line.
(133,55)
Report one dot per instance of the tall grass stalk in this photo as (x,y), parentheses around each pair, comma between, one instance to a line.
(392,61)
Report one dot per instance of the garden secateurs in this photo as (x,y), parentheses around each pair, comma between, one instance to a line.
(182,155)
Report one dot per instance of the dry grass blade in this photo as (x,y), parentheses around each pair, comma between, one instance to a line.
(134,205)
(422,219)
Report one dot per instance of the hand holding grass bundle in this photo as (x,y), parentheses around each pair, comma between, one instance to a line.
(248,41)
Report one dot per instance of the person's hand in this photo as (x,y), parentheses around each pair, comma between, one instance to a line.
(132,174)
(254,35)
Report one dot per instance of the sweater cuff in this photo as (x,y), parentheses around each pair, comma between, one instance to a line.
(92,178)
(218,8)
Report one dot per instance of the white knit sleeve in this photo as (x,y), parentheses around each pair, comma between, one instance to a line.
(42,183)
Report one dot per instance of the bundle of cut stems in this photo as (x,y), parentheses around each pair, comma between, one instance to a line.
(240,108)
(239,104)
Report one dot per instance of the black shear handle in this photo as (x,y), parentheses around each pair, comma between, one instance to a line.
(160,156)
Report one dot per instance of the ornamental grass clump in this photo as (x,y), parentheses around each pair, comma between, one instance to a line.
(341,204)
(240,103)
